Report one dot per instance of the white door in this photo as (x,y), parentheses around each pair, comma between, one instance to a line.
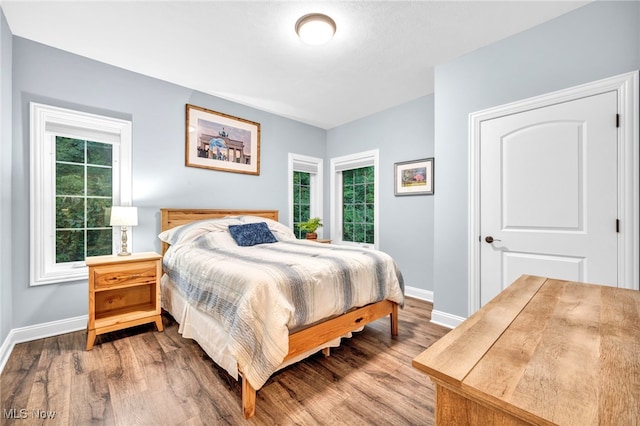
(548,194)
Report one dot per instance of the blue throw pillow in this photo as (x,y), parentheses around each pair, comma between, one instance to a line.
(251,234)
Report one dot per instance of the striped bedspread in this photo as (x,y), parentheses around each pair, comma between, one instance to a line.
(262,292)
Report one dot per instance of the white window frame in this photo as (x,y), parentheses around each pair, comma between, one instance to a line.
(313,166)
(47,122)
(348,162)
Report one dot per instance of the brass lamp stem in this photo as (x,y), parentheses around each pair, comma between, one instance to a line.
(124,251)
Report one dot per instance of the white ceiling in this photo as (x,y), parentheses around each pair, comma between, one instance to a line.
(382,55)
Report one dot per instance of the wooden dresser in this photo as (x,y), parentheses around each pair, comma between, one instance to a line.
(124,291)
(542,352)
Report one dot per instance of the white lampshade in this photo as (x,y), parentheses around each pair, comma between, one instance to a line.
(315,29)
(124,216)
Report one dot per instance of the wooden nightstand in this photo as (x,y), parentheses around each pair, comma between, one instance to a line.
(123,291)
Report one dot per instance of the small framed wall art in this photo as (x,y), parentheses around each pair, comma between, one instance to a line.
(414,177)
(223,142)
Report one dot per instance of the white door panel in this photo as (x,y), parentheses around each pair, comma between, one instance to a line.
(541,168)
(548,193)
(562,267)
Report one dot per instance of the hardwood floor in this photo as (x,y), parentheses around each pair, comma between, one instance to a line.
(142,377)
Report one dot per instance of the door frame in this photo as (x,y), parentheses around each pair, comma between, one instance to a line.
(626,86)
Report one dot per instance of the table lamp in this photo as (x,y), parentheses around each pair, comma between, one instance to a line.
(124,216)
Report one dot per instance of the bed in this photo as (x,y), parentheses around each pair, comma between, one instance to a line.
(257,308)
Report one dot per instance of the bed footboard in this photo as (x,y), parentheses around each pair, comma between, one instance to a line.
(321,333)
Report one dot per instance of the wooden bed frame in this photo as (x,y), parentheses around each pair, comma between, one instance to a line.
(301,341)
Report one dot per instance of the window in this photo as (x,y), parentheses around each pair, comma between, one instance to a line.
(80,167)
(305,190)
(301,201)
(354,195)
(84,190)
(358,202)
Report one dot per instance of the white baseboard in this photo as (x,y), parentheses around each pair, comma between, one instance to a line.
(418,293)
(5,350)
(39,331)
(446,320)
(437,317)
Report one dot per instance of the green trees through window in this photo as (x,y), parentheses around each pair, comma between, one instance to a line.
(358,205)
(84,188)
(301,201)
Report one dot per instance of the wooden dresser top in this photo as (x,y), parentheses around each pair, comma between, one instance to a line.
(549,352)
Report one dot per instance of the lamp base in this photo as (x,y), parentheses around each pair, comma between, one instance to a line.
(123,244)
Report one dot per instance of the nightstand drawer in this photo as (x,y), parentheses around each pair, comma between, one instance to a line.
(108,276)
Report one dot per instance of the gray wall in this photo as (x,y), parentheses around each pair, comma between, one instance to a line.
(160,179)
(596,41)
(5,179)
(406,223)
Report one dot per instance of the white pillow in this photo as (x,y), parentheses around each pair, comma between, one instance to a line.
(219,230)
(280,231)
(190,231)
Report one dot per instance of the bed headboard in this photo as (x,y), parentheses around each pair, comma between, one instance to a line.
(170,218)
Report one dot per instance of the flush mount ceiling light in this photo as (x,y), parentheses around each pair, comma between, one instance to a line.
(315,28)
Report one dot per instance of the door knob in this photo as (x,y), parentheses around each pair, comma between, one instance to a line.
(490,239)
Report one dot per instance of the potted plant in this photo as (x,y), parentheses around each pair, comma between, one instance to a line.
(310,227)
